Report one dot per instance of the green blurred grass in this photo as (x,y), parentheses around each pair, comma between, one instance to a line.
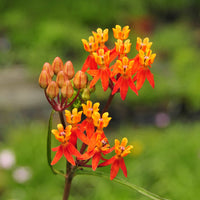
(166,162)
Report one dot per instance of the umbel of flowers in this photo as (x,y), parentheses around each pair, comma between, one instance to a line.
(83,125)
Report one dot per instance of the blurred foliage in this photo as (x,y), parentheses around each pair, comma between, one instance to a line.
(164,161)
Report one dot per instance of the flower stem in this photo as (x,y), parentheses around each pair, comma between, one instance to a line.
(69,174)
(108,103)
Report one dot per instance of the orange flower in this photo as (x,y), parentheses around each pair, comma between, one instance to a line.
(66,148)
(122,47)
(74,118)
(125,68)
(143,45)
(144,61)
(101,122)
(102,58)
(90,46)
(120,33)
(101,36)
(99,146)
(88,124)
(117,161)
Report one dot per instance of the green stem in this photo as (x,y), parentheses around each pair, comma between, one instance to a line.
(122,182)
(69,174)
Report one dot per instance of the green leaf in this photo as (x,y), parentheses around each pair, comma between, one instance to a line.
(55,171)
(122,182)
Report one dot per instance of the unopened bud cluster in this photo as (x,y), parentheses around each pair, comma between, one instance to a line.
(59,80)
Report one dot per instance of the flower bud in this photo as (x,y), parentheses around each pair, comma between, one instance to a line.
(67,89)
(86,94)
(52,90)
(57,65)
(44,79)
(80,80)
(69,69)
(61,78)
(48,68)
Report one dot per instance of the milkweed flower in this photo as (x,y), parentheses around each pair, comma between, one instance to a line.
(73,118)
(144,61)
(66,148)
(117,161)
(121,33)
(126,69)
(95,150)
(102,58)
(87,124)
(143,45)
(101,36)
(90,46)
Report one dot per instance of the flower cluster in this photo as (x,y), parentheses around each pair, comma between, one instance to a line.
(95,145)
(125,72)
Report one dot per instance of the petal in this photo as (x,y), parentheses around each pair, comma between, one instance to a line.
(68,156)
(95,79)
(117,85)
(123,167)
(124,88)
(132,85)
(82,136)
(105,79)
(108,162)
(114,169)
(72,149)
(58,155)
(55,148)
(141,76)
(95,160)
(150,78)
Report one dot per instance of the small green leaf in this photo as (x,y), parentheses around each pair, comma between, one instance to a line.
(122,182)
(55,171)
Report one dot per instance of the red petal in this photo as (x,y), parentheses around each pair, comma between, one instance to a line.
(72,149)
(113,54)
(108,162)
(86,64)
(105,78)
(95,160)
(93,72)
(82,136)
(89,63)
(58,155)
(95,79)
(123,167)
(86,155)
(117,85)
(150,78)
(114,169)
(124,88)
(132,85)
(68,156)
(141,76)
(55,148)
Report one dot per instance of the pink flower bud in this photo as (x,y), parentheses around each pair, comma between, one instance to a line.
(48,68)
(61,78)
(69,69)
(44,79)
(57,65)
(67,89)
(80,80)
(52,89)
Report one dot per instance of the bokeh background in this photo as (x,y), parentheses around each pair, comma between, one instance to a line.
(161,123)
